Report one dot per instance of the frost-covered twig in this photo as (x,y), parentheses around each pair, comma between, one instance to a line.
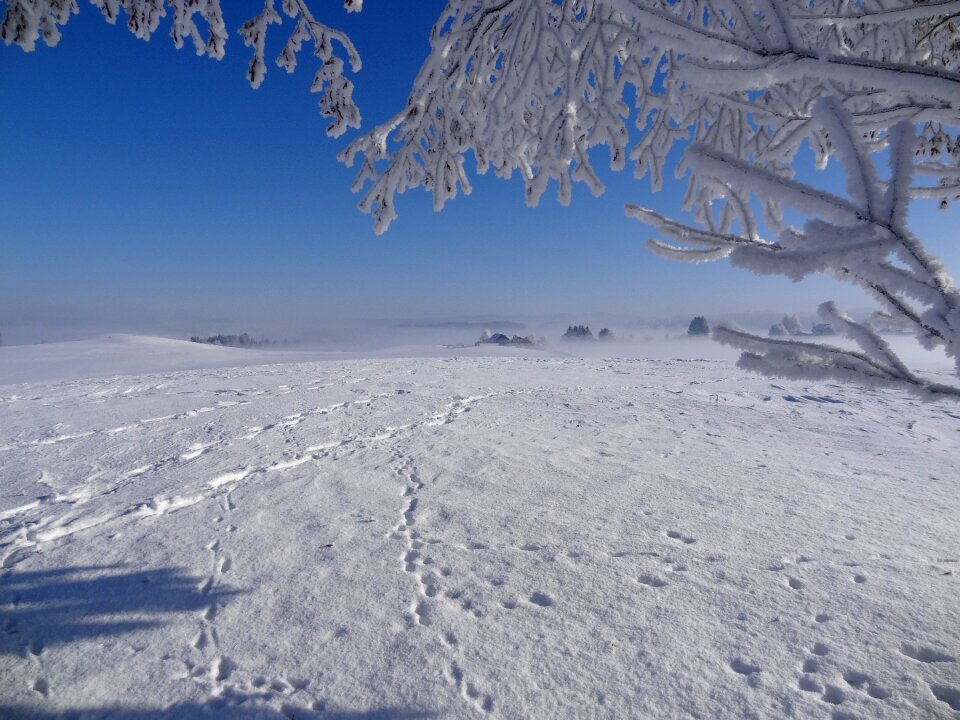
(24,21)
(336,101)
(798,360)
(533,85)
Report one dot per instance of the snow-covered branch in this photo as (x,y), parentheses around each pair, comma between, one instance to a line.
(533,86)
(862,239)
(876,365)
(26,21)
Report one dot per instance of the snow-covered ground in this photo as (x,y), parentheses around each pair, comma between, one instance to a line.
(198,534)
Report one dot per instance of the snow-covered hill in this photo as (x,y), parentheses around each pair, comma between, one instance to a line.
(501,536)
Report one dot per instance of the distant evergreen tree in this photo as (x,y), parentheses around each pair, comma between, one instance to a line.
(578,332)
(606,334)
(698,326)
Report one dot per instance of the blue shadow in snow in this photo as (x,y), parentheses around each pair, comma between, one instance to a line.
(44,608)
(204,711)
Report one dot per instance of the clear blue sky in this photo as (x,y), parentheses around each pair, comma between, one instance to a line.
(143,188)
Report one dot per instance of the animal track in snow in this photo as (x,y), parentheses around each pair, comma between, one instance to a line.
(422,613)
(742,667)
(223,668)
(455,409)
(33,651)
(948,695)
(468,691)
(651,581)
(833,695)
(422,609)
(808,684)
(428,583)
(216,668)
(189,455)
(73,522)
(541,599)
(677,535)
(924,654)
(864,682)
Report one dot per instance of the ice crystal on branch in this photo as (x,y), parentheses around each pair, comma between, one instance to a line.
(24,21)
(336,101)
(531,86)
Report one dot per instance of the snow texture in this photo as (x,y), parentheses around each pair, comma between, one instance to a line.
(487,535)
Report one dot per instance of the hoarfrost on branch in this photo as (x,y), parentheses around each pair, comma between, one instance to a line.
(25,21)
(742,86)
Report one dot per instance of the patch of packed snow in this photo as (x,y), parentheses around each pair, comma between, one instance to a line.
(503,535)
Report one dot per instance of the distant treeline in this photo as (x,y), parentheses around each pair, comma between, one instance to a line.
(582,332)
(240,341)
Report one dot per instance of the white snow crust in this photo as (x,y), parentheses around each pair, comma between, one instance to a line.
(499,535)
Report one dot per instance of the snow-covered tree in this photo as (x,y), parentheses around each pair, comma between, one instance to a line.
(698,326)
(743,86)
(792,325)
(201,21)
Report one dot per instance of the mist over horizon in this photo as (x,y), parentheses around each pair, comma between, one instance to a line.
(373,333)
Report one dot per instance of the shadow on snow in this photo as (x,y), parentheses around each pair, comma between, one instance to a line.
(44,608)
(200,711)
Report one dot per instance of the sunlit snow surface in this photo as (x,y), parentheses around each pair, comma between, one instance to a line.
(509,536)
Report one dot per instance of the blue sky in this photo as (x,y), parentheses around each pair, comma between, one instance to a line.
(146,189)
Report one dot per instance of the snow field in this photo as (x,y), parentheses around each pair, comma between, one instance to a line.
(499,537)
